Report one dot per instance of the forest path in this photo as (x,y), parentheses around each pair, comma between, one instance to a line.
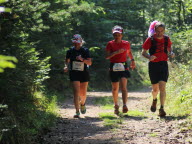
(147,128)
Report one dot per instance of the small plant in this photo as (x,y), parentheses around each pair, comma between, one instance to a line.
(107,107)
(153,134)
(136,113)
(110,120)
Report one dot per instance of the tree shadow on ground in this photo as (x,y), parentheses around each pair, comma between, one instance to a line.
(77,131)
(173,118)
(136,98)
(137,118)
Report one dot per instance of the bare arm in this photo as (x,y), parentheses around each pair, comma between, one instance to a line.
(171,53)
(87,61)
(67,61)
(130,55)
(109,54)
(146,55)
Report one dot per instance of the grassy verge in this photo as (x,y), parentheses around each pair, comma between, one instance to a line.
(29,119)
(179,96)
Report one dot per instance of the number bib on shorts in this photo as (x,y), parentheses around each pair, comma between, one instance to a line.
(118,67)
(79,66)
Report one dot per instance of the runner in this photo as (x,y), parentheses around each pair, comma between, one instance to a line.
(117,52)
(159,46)
(77,61)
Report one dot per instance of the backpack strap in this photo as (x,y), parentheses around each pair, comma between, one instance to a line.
(153,48)
(165,43)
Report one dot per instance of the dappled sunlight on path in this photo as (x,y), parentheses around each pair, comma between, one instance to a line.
(138,126)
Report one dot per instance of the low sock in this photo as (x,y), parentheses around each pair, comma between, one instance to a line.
(162,107)
(155,99)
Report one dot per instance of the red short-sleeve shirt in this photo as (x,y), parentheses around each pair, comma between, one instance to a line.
(112,46)
(160,54)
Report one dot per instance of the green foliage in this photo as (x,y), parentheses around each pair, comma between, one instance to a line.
(6,62)
(179,90)
(4,9)
(182,46)
(21,127)
(23,117)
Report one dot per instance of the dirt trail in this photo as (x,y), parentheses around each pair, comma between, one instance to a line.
(90,129)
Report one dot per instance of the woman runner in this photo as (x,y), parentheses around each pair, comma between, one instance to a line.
(117,52)
(159,46)
(77,61)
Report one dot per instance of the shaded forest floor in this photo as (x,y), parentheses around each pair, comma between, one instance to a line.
(142,129)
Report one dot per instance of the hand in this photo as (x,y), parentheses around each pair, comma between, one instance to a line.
(133,66)
(172,54)
(151,58)
(65,69)
(120,51)
(79,58)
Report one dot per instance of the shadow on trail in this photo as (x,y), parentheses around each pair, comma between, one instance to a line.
(173,118)
(75,131)
(136,98)
(137,118)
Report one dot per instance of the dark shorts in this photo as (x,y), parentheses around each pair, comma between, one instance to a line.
(82,76)
(117,75)
(158,71)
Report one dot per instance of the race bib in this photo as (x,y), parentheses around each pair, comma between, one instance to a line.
(79,66)
(118,67)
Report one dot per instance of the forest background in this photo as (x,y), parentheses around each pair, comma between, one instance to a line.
(34,38)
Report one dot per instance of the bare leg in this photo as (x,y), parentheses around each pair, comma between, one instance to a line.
(155,90)
(115,90)
(76,93)
(162,87)
(83,92)
(123,84)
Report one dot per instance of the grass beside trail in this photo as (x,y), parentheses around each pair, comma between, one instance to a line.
(179,96)
(110,119)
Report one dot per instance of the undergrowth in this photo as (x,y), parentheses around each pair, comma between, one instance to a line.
(34,117)
(179,96)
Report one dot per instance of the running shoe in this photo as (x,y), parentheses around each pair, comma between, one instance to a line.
(125,109)
(116,111)
(162,113)
(153,106)
(83,109)
(77,115)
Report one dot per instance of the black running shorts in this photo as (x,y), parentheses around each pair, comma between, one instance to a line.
(117,75)
(158,71)
(82,76)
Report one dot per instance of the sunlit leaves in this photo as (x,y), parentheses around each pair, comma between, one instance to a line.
(2,1)
(3,9)
(7,62)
